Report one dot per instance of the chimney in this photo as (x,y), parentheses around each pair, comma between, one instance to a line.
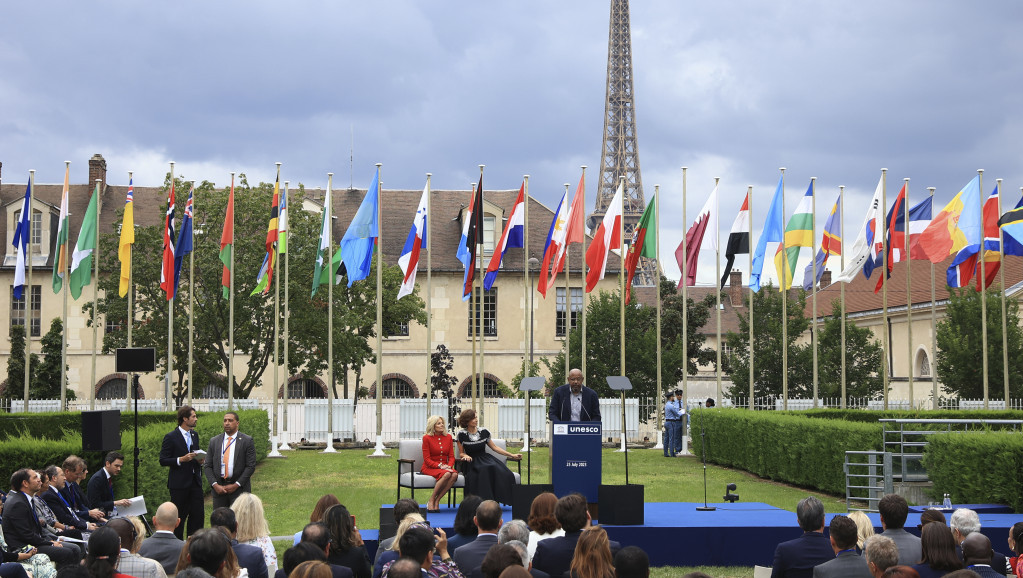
(97,170)
(825,278)
(735,288)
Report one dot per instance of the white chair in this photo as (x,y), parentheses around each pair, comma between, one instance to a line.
(410,464)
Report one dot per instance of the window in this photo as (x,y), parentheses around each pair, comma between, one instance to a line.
(37,228)
(305,389)
(925,364)
(114,325)
(725,351)
(113,389)
(489,234)
(213,391)
(577,307)
(489,313)
(395,388)
(18,309)
(401,330)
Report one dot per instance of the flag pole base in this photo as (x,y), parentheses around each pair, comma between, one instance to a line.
(330,445)
(273,451)
(622,448)
(658,446)
(525,446)
(378,450)
(284,444)
(685,447)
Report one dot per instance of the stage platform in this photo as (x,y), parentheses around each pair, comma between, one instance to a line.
(739,534)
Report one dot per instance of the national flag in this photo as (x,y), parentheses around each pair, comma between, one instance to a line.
(127,239)
(894,238)
(831,244)
(555,241)
(22,235)
(738,238)
(81,259)
(862,253)
(358,241)
(919,219)
(473,238)
(282,224)
(184,244)
(227,243)
(510,237)
(567,228)
(414,243)
(644,244)
(992,252)
(167,271)
(1011,224)
(706,220)
(323,248)
(60,257)
(266,269)
(607,237)
(947,233)
(462,253)
(773,232)
(967,261)
(798,233)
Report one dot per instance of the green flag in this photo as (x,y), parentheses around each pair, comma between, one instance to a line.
(81,258)
(324,247)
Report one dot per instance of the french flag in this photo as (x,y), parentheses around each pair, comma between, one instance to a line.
(416,242)
(512,237)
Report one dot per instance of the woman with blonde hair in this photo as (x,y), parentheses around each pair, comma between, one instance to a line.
(592,558)
(438,460)
(393,554)
(864,528)
(253,528)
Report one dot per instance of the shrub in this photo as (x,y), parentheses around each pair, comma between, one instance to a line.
(977,467)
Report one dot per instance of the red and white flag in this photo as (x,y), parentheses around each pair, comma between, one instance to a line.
(414,243)
(607,237)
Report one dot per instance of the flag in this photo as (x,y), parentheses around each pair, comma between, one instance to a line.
(919,219)
(511,237)
(894,239)
(22,235)
(1011,224)
(643,244)
(551,248)
(967,261)
(266,269)
(127,240)
(862,252)
(738,238)
(357,242)
(324,246)
(81,259)
(798,233)
(184,244)
(462,253)
(947,233)
(607,237)
(414,243)
(992,247)
(773,232)
(831,244)
(167,272)
(707,219)
(472,236)
(227,244)
(282,224)
(60,258)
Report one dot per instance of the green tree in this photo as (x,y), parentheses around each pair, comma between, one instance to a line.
(443,384)
(46,383)
(960,363)
(16,365)
(767,347)
(862,359)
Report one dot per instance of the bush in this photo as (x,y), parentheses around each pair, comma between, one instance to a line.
(783,446)
(977,467)
(871,416)
(52,426)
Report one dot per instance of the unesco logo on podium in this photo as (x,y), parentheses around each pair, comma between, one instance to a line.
(560,429)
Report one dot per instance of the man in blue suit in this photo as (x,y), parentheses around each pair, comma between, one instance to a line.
(488,521)
(797,558)
(184,480)
(554,555)
(847,563)
(101,484)
(574,401)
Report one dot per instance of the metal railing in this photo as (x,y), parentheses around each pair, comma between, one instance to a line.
(906,439)
(868,477)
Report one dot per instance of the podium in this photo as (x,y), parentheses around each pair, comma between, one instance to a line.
(576,458)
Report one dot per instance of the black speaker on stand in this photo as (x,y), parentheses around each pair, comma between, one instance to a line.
(101,430)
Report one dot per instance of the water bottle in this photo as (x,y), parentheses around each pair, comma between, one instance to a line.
(947,504)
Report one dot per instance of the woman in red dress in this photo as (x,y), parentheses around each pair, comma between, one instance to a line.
(438,460)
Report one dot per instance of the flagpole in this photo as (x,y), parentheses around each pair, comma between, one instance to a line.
(429,299)
(191,295)
(659,444)
(280,431)
(621,299)
(473,317)
(330,320)
(170,322)
(95,299)
(813,287)
(1001,283)
(277,317)
(275,439)
(841,286)
(28,282)
(884,285)
(131,286)
(481,383)
(934,334)
(749,223)
(685,300)
(909,293)
(568,298)
(717,303)
(379,450)
(784,305)
(582,281)
(230,308)
(527,297)
(983,290)
(63,274)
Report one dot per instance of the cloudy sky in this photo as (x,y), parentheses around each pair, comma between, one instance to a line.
(930,89)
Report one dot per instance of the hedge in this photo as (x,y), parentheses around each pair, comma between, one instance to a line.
(783,446)
(52,425)
(977,467)
(871,416)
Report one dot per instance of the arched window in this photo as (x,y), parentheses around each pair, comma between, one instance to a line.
(116,388)
(923,364)
(305,389)
(488,386)
(397,388)
(213,391)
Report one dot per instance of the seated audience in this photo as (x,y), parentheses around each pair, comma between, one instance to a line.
(209,550)
(38,564)
(318,535)
(63,511)
(523,552)
(406,568)
(514,572)
(632,562)
(797,558)
(311,569)
(297,554)
(964,573)
(75,471)
(1016,544)
(413,519)
(129,563)
(554,555)
(418,544)
(21,526)
(881,553)
(488,521)
(937,551)
(253,528)
(542,522)
(965,522)
(864,528)
(402,508)
(931,515)
(104,550)
(499,557)
(163,546)
(893,510)
(592,557)
(325,501)
(977,555)
(901,572)
(249,557)
(346,545)
(465,528)
(847,561)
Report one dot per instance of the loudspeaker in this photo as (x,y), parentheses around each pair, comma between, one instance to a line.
(135,359)
(387,526)
(621,505)
(523,496)
(101,430)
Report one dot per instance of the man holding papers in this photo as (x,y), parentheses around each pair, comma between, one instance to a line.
(181,453)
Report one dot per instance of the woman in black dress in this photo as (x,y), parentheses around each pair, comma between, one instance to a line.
(485,475)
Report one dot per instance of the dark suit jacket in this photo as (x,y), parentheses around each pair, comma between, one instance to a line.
(337,571)
(985,571)
(251,558)
(21,527)
(998,562)
(470,556)
(478,573)
(561,405)
(845,565)
(76,497)
(100,494)
(354,558)
(164,547)
(187,474)
(63,512)
(796,558)
(554,555)
(244,462)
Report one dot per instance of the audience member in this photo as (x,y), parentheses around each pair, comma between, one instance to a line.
(301,552)
(881,553)
(523,552)
(21,526)
(465,528)
(393,554)
(554,555)
(864,528)
(63,511)
(163,546)
(347,547)
(325,501)
(965,522)
(75,471)
(847,563)
(210,550)
(32,561)
(402,508)
(311,569)
(249,557)
(406,568)
(592,558)
(796,558)
(418,543)
(104,550)
(697,575)
(499,557)
(513,530)
(931,515)
(901,572)
(964,573)
(514,572)
(542,522)
(53,529)
(893,510)
(253,528)
(319,535)
(1016,544)
(632,562)
(977,555)
(488,521)
(129,563)
(101,485)
(77,571)
(938,551)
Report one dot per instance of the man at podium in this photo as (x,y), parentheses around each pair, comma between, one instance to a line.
(574,401)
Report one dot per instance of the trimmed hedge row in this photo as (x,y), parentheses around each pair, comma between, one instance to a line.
(977,467)
(783,446)
(52,425)
(871,416)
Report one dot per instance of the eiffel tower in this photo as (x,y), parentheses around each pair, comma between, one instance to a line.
(620,155)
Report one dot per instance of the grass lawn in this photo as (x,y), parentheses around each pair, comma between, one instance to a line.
(289,487)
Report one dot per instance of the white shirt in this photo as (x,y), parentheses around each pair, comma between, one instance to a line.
(228,460)
(188,440)
(576,400)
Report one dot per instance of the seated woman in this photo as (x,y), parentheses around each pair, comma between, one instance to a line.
(937,551)
(438,460)
(346,545)
(485,475)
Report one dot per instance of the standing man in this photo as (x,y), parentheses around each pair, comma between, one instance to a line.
(229,463)
(671,420)
(184,479)
(101,485)
(574,401)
